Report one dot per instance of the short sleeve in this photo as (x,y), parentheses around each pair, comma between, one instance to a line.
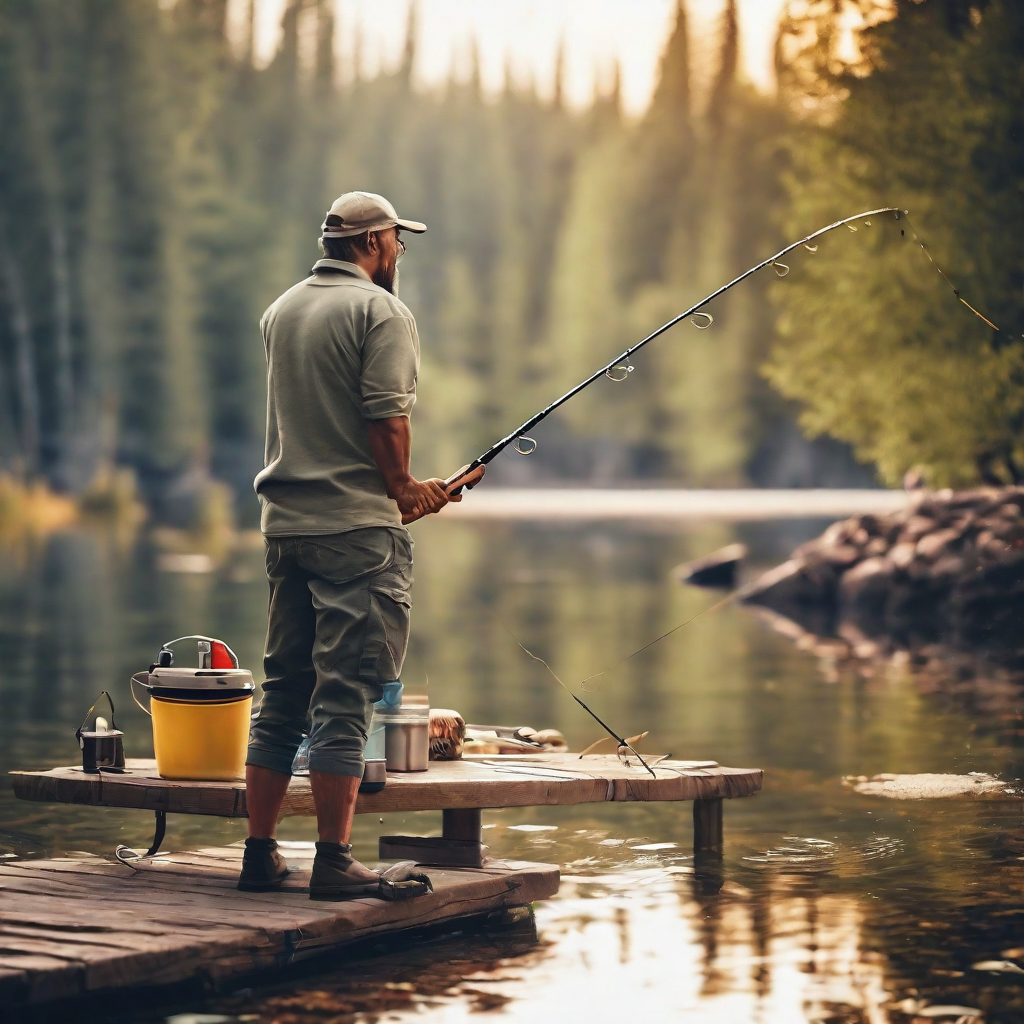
(390,366)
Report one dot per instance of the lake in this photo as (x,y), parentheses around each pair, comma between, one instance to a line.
(835,908)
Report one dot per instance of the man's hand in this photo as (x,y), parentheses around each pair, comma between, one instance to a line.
(470,480)
(419,498)
(391,444)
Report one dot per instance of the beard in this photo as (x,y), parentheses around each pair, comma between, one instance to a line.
(387,277)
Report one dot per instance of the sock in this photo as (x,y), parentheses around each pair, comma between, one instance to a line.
(260,845)
(335,850)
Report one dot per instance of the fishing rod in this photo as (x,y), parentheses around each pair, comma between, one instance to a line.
(623,743)
(620,367)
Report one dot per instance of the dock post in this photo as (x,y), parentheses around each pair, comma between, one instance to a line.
(707,847)
(459,845)
(707,826)
(463,824)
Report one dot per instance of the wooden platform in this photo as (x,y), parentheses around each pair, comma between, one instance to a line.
(483,781)
(70,929)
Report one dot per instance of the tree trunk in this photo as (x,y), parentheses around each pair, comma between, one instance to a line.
(39,121)
(24,347)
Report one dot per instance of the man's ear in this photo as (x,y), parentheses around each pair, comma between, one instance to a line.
(372,242)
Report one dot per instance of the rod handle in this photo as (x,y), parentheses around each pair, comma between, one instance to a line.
(452,484)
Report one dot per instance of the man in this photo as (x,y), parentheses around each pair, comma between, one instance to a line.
(343,357)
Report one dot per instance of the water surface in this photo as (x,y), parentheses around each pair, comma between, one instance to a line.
(835,907)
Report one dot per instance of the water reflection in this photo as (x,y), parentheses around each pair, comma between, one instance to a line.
(831,905)
(618,947)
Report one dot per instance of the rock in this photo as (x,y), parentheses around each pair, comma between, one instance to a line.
(927,786)
(916,527)
(837,533)
(902,554)
(831,648)
(932,544)
(719,569)
(947,574)
(804,593)
(998,967)
(863,591)
(966,1014)
(841,556)
(867,650)
(948,565)
(876,546)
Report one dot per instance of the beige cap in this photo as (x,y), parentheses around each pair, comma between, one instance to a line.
(365,211)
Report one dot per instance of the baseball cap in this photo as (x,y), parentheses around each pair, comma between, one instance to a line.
(365,211)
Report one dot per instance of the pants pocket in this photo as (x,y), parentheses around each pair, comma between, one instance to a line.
(387,632)
(345,557)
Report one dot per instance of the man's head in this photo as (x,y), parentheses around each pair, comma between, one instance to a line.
(363,228)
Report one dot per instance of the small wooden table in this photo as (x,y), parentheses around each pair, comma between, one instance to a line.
(459,789)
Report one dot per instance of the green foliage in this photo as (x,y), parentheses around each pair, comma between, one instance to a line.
(189,185)
(158,190)
(662,213)
(872,343)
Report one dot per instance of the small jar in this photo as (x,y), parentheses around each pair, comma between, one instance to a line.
(407,738)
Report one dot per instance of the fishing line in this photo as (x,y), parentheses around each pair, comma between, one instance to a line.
(711,608)
(620,367)
(621,362)
(623,744)
(942,273)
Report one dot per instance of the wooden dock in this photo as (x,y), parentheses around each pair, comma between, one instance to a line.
(74,929)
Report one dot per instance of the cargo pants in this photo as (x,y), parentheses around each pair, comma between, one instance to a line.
(338,630)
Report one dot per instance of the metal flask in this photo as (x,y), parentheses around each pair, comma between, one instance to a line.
(406,738)
(102,746)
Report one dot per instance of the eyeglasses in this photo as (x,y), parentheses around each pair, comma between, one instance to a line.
(401,246)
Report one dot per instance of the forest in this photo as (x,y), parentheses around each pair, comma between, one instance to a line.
(159,188)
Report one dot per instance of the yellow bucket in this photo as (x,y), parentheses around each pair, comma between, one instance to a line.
(200,740)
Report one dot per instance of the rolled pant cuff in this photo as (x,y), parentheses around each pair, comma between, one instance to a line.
(269,759)
(334,765)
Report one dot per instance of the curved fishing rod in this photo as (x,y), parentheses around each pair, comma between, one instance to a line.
(619,368)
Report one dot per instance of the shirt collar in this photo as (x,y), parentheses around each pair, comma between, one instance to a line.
(343,266)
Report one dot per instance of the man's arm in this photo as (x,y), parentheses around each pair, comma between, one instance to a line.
(391,445)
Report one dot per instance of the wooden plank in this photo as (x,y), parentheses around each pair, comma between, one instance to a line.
(66,933)
(538,780)
(44,977)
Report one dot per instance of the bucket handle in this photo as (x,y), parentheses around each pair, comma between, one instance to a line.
(139,678)
(113,724)
(208,639)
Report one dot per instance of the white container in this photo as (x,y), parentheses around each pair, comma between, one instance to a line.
(407,739)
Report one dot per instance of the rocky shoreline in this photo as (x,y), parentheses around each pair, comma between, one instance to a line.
(942,578)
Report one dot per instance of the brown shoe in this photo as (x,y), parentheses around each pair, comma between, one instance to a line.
(263,868)
(338,876)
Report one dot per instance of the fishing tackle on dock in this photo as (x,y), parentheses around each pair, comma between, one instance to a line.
(619,368)
(624,745)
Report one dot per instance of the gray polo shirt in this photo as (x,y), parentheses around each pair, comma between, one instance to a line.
(340,351)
